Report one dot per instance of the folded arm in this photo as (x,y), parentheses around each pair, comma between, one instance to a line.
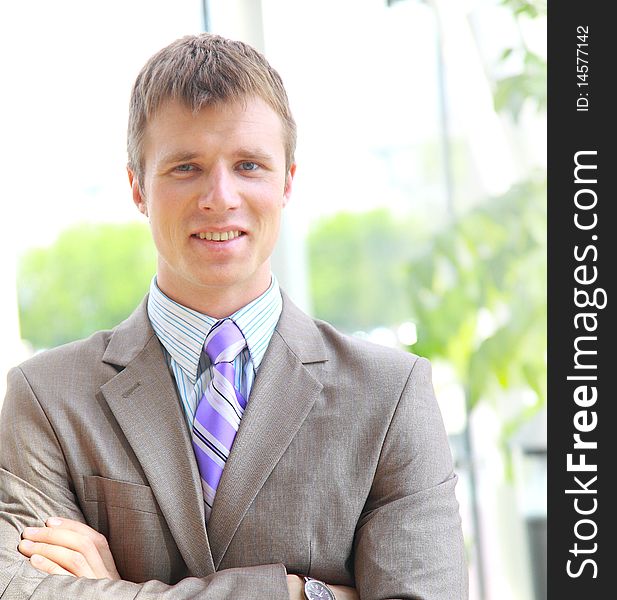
(66,547)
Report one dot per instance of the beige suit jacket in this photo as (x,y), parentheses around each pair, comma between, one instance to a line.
(340,469)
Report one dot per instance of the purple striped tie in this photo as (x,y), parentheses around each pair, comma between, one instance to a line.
(221,407)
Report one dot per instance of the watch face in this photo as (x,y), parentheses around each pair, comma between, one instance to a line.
(315,590)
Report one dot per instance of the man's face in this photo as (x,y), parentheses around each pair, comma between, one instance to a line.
(213,187)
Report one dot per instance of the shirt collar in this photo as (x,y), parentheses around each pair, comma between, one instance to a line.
(182,331)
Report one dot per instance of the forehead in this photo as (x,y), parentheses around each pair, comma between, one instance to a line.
(220,127)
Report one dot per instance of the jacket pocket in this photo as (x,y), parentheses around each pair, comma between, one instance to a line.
(120,494)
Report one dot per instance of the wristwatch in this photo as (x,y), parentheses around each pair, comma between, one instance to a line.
(317,590)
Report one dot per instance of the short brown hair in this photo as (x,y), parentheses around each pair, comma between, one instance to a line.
(201,70)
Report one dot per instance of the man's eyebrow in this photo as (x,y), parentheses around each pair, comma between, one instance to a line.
(177,157)
(254,154)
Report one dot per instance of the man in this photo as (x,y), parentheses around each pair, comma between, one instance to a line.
(219,443)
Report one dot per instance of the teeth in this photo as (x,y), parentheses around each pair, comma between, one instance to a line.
(218,236)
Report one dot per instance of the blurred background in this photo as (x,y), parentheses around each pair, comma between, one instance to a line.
(418,218)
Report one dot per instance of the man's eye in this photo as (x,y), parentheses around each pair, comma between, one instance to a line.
(248,165)
(185,168)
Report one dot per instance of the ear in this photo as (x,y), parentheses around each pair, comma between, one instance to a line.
(138,197)
(288,184)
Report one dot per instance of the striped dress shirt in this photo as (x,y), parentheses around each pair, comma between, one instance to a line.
(182,333)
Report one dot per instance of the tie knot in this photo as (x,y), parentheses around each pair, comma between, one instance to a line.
(224,342)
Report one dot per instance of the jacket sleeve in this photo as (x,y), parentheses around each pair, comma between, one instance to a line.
(409,541)
(35,484)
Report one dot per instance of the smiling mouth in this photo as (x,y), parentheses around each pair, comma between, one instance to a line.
(218,236)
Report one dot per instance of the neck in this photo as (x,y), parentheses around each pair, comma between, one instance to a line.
(214,301)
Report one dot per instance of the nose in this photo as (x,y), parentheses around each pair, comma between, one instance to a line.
(220,192)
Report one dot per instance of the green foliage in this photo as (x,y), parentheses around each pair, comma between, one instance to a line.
(530,8)
(358,265)
(91,278)
(511,93)
(476,288)
(479,294)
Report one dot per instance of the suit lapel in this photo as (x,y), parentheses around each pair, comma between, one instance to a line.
(282,396)
(143,399)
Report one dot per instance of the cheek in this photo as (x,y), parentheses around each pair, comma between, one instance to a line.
(268,206)
(164,212)
(164,227)
(273,227)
